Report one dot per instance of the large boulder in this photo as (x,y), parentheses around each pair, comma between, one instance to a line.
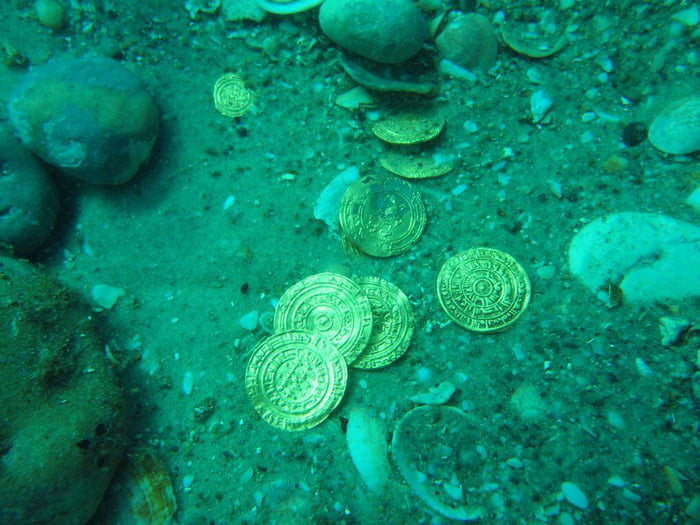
(90,117)
(386,31)
(28,198)
(62,424)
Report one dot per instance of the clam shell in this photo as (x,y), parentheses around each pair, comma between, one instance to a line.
(676,129)
(141,493)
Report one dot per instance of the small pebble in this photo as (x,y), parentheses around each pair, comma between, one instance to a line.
(187,383)
(249,321)
(574,495)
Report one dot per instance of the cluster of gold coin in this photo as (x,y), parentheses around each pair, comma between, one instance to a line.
(407,133)
(324,323)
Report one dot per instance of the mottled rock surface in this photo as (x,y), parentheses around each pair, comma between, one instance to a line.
(28,199)
(62,427)
(387,31)
(90,117)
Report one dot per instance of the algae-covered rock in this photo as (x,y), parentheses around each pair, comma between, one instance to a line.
(62,427)
(28,199)
(90,117)
(387,31)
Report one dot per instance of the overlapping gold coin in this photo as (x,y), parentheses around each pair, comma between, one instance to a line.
(382,216)
(416,166)
(392,323)
(295,379)
(483,289)
(231,96)
(408,128)
(330,305)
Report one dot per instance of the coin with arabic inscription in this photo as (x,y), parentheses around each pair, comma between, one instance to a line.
(295,379)
(231,96)
(330,305)
(393,323)
(408,128)
(483,289)
(382,216)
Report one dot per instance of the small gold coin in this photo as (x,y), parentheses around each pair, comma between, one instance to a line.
(231,97)
(393,323)
(408,128)
(483,289)
(418,166)
(295,379)
(330,305)
(382,216)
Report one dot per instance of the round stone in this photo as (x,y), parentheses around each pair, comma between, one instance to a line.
(387,31)
(90,117)
(28,199)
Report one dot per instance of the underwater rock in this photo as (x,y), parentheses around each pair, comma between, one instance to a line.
(649,257)
(235,10)
(62,425)
(90,117)
(469,41)
(51,14)
(28,198)
(386,31)
(676,129)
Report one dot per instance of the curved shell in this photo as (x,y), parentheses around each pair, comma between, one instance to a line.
(676,129)
(287,7)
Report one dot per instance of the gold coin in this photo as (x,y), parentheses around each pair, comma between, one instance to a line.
(330,305)
(418,166)
(382,216)
(483,289)
(231,97)
(295,379)
(393,323)
(408,128)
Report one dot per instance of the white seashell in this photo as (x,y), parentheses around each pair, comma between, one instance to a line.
(574,495)
(187,383)
(676,129)
(366,437)
(106,296)
(673,329)
(540,104)
(437,395)
(643,368)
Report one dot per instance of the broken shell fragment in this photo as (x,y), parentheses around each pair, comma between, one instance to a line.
(529,44)
(673,330)
(142,491)
(469,41)
(287,7)
(676,129)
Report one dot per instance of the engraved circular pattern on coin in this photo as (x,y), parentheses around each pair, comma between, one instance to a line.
(231,97)
(330,305)
(393,323)
(417,166)
(408,128)
(382,216)
(295,379)
(483,289)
